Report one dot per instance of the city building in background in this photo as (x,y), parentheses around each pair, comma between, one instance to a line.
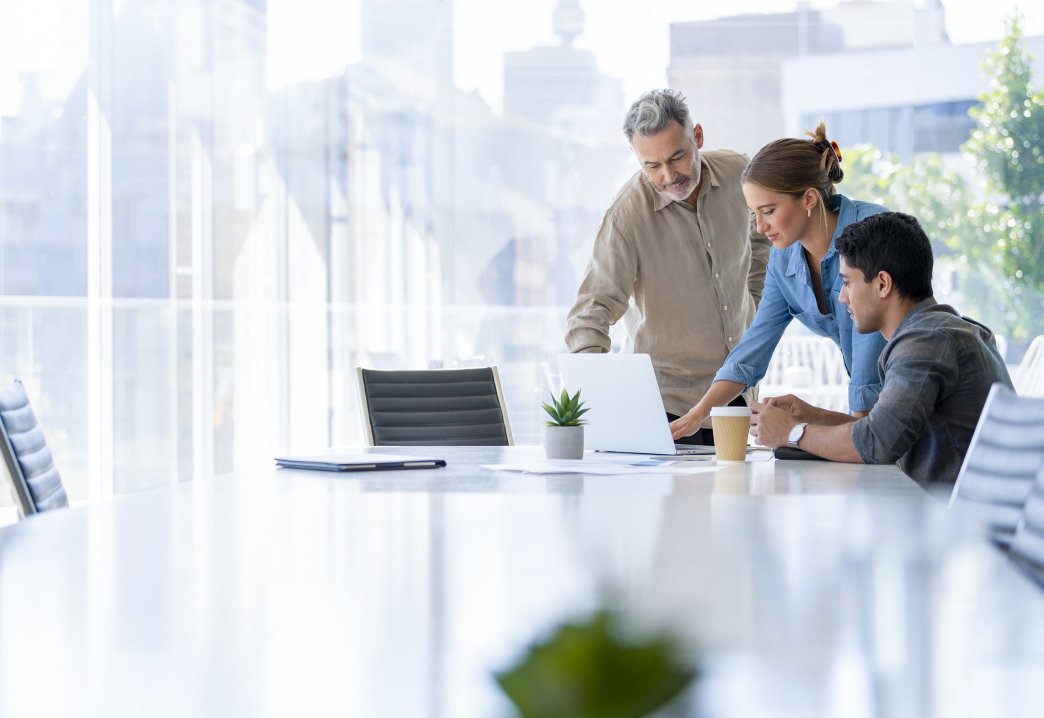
(880,73)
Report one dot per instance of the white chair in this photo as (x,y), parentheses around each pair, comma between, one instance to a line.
(810,367)
(831,377)
(1002,346)
(1027,545)
(1029,377)
(36,483)
(793,368)
(1004,456)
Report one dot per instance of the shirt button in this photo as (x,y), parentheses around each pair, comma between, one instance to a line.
(730,339)
(715,275)
(725,308)
(708,245)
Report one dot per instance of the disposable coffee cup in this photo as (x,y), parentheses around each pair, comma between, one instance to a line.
(731,427)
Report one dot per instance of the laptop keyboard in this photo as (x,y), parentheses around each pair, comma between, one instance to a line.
(693,449)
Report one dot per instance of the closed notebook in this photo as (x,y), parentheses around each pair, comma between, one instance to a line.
(358,462)
(790,453)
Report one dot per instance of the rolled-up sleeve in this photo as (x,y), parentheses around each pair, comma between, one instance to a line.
(760,247)
(864,386)
(748,361)
(917,371)
(605,290)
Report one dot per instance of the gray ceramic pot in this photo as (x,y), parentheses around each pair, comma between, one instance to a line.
(564,442)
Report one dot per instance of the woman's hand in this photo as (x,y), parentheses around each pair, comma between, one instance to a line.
(688,424)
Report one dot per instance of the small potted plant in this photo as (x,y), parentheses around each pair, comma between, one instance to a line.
(564,435)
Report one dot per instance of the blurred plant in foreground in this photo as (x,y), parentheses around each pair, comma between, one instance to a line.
(597,667)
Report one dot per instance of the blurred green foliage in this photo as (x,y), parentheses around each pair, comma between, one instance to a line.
(987,227)
(597,668)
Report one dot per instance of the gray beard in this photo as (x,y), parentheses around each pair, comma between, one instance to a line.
(689,189)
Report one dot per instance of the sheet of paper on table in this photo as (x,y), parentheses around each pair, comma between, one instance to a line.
(608,466)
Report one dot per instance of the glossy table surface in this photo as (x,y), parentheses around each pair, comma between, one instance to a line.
(808,588)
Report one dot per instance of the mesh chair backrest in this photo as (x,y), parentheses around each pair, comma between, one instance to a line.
(38,486)
(1005,453)
(436,407)
(1027,544)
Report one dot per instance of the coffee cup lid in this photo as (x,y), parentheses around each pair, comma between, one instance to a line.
(730,411)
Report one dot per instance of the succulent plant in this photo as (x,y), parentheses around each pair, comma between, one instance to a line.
(565,410)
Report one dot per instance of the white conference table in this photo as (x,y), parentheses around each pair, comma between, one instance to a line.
(810,588)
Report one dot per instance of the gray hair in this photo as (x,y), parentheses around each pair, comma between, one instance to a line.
(651,112)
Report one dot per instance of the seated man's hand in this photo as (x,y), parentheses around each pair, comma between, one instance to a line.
(771,425)
(688,424)
(797,408)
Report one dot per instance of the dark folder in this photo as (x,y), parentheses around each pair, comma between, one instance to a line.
(358,462)
(787,452)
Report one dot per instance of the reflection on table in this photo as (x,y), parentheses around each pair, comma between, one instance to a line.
(810,588)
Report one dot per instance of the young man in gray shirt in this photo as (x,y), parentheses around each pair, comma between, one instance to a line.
(936,369)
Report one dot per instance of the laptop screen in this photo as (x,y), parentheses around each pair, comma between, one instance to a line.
(626,411)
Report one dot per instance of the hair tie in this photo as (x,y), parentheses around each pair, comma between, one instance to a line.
(837,151)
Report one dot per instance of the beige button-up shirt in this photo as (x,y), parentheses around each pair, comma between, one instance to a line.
(696,275)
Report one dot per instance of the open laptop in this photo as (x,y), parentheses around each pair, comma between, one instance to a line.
(626,412)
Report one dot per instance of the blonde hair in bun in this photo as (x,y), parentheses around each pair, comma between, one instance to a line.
(793,166)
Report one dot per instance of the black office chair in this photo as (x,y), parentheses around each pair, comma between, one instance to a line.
(36,482)
(1006,451)
(435,407)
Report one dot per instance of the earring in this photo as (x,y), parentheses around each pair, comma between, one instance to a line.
(809,213)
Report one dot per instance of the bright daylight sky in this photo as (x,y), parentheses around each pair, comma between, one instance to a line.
(313,39)
(631,43)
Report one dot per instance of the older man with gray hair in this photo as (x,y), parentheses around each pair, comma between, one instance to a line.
(678,239)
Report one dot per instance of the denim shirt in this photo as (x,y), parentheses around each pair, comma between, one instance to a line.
(788,295)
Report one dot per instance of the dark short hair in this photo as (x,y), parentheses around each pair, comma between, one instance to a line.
(890,242)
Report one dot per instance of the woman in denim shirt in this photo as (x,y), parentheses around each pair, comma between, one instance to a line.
(789,186)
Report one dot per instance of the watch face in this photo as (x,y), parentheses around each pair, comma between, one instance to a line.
(796,433)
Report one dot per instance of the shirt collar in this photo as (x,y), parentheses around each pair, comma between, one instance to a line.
(661,200)
(847,213)
(925,303)
(795,260)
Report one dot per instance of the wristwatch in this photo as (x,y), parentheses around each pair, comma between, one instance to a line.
(795,435)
